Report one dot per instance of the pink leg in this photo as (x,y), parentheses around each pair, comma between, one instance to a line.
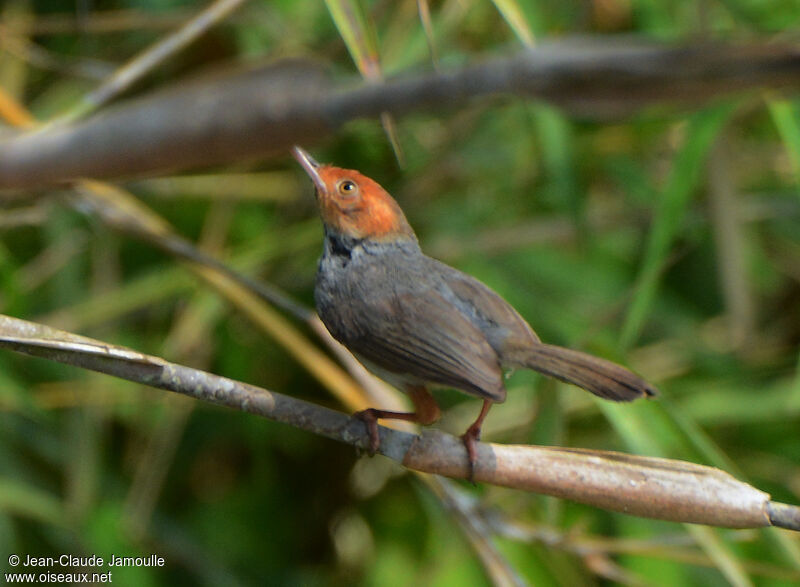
(426,411)
(472,436)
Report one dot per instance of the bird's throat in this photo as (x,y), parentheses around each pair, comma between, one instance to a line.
(339,245)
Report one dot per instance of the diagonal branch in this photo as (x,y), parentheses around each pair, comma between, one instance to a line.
(649,487)
(246,114)
(135,69)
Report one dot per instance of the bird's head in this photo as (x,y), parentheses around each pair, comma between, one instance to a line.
(353,205)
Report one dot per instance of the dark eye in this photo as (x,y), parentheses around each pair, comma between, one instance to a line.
(347,187)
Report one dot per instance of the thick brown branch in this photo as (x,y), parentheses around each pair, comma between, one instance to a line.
(233,116)
(649,487)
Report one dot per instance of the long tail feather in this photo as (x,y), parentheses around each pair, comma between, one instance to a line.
(601,377)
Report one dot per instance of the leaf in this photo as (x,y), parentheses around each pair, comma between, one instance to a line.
(358,33)
(785,117)
(515,17)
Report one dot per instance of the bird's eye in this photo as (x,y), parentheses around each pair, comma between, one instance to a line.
(347,187)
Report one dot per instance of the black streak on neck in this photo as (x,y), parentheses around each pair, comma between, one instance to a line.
(341,246)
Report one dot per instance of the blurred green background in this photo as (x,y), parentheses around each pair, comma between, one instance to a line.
(667,239)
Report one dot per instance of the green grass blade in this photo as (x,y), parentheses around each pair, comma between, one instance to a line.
(785,117)
(719,552)
(649,428)
(558,157)
(515,17)
(358,35)
(702,130)
(424,11)
(26,500)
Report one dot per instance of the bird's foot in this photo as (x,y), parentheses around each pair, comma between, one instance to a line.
(471,438)
(370,418)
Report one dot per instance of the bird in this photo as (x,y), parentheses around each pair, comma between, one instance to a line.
(418,323)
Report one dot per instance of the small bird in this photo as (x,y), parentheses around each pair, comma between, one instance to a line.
(415,321)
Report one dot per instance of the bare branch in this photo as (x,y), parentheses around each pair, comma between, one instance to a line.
(462,507)
(135,69)
(240,115)
(649,487)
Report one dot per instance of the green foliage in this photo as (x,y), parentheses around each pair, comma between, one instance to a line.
(600,232)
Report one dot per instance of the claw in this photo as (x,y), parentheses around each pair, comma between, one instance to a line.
(370,419)
(427,412)
(471,438)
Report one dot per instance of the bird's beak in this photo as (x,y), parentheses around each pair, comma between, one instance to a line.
(311,167)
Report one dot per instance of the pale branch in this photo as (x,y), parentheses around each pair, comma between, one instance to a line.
(462,506)
(126,214)
(649,487)
(239,115)
(162,50)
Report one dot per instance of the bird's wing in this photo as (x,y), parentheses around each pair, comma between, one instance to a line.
(518,345)
(497,319)
(424,336)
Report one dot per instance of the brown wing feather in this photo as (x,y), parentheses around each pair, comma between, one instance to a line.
(426,338)
(497,319)
(517,344)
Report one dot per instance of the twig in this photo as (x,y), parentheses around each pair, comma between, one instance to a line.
(729,237)
(107,21)
(673,547)
(242,115)
(462,507)
(134,70)
(37,56)
(643,486)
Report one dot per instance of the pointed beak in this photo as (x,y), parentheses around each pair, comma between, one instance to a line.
(311,167)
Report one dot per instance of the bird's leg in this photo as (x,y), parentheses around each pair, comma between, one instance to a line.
(472,436)
(426,411)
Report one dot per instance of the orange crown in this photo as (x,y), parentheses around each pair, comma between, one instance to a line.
(352,204)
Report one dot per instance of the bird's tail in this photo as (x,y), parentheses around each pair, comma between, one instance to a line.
(601,377)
